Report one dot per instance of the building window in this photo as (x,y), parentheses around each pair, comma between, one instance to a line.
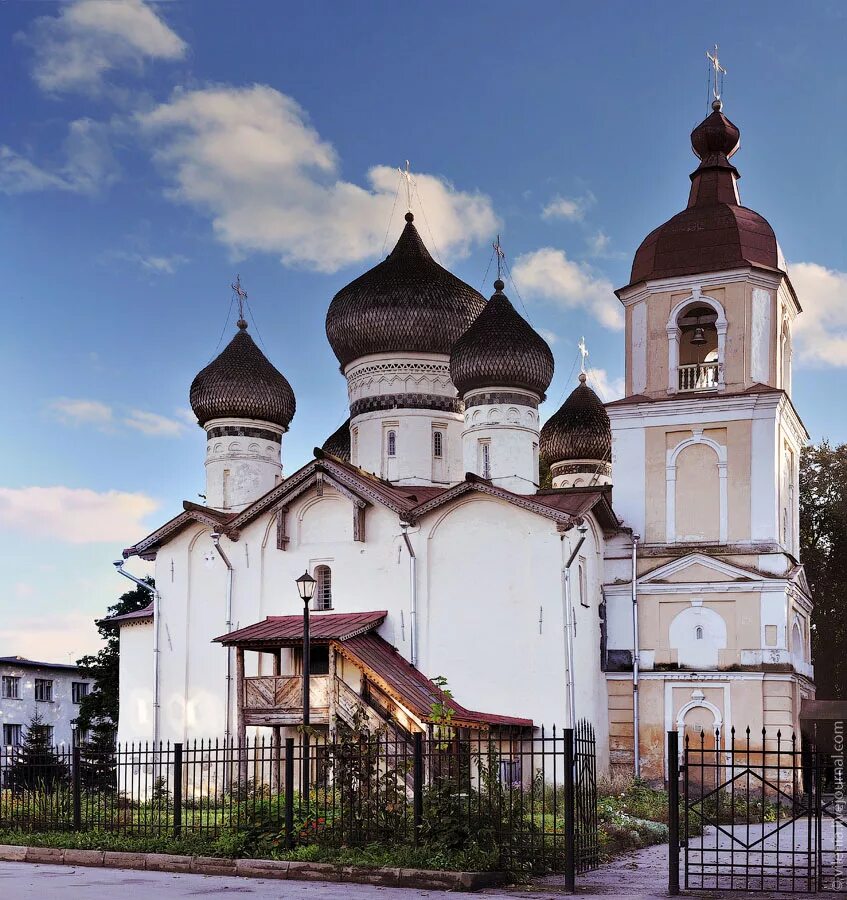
(510,771)
(12,735)
(485,459)
(391,443)
(698,633)
(49,732)
(323,588)
(11,687)
(437,444)
(44,690)
(79,689)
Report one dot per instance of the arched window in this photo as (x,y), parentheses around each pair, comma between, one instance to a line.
(698,633)
(437,444)
(391,443)
(323,588)
(698,348)
(485,459)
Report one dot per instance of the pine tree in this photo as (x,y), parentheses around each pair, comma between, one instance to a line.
(98,764)
(36,765)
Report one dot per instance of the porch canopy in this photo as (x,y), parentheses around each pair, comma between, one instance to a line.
(354,636)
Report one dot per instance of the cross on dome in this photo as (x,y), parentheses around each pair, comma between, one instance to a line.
(241,296)
(583,352)
(406,175)
(718,70)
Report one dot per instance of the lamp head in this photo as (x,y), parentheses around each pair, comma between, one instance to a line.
(306,587)
(118,563)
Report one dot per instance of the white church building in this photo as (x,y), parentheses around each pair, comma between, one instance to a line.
(437,551)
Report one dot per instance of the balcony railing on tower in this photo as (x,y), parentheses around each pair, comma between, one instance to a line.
(699,377)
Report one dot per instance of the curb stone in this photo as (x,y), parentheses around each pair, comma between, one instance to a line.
(295,870)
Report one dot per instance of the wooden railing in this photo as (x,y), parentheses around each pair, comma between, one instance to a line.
(699,377)
(281,697)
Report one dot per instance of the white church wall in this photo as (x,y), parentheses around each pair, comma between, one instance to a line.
(511,432)
(135,674)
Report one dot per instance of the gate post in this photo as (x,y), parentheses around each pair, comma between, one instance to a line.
(417,785)
(570,800)
(76,787)
(673,813)
(289,792)
(177,789)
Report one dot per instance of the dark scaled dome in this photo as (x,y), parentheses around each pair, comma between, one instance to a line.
(579,430)
(241,383)
(501,349)
(338,443)
(406,303)
(715,232)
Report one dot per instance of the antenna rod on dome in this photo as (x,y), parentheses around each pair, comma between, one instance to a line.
(241,295)
(406,175)
(583,352)
(718,70)
(501,256)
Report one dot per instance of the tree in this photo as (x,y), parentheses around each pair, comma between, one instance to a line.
(100,707)
(823,549)
(35,764)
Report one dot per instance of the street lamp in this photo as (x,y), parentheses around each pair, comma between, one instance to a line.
(306,588)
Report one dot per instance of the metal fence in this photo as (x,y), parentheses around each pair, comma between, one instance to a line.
(756,812)
(528,800)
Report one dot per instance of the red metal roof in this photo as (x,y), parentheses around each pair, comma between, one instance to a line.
(136,616)
(410,686)
(322,627)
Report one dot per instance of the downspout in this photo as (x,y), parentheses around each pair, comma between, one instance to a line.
(568,619)
(216,540)
(413,596)
(119,566)
(635,660)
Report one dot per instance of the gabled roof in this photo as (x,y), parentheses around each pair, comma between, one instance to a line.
(192,512)
(281,630)
(139,615)
(729,571)
(409,686)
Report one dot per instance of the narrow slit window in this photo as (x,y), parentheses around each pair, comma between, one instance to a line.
(698,633)
(485,459)
(323,588)
(391,440)
(437,444)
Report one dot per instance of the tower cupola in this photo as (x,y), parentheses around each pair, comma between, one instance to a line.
(392,330)
(576,441)
(245,406)
(502,367)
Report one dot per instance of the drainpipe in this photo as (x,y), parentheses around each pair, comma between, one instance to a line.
(413,596)
(119,566)
(569,624)
(216,540)
(635,658)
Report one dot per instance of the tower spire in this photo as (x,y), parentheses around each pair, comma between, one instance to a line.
(501,257)
(240,296)
(406,175)
(583,352)
(718,70)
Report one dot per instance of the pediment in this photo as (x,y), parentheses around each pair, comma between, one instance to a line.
(697,568)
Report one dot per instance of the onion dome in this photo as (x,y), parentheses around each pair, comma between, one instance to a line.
(338,443)
(241,383)
(714,233)
(579,430)
(406,303)
(501,349)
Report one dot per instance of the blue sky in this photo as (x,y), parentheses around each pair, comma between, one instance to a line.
(149,152)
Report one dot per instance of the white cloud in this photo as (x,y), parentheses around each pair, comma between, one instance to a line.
(75,515)
(75,50)
(548,274)
(70,411)
(607,388)
(598,243)
(249,158)
(158,265)
(187,415)
(572,209)
(89,165)
(153,424)
(550,336)
(820,331)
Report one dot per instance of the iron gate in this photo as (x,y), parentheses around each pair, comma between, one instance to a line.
(756,815)
(586,838)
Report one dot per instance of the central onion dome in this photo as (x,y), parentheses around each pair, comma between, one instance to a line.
(241,383)
(714,233)
(406,303)
(580,430)
(501,349)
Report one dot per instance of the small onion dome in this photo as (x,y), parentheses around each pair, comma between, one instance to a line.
(579,430)
(501,349)
(338,443)
(715,233)
(241,383)
(406,303)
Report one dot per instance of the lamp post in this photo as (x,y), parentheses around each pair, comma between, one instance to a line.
(306,589)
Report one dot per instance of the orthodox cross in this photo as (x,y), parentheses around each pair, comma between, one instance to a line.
(241,295)
(583,352)
(719,70)
(406,175)
(501,256)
